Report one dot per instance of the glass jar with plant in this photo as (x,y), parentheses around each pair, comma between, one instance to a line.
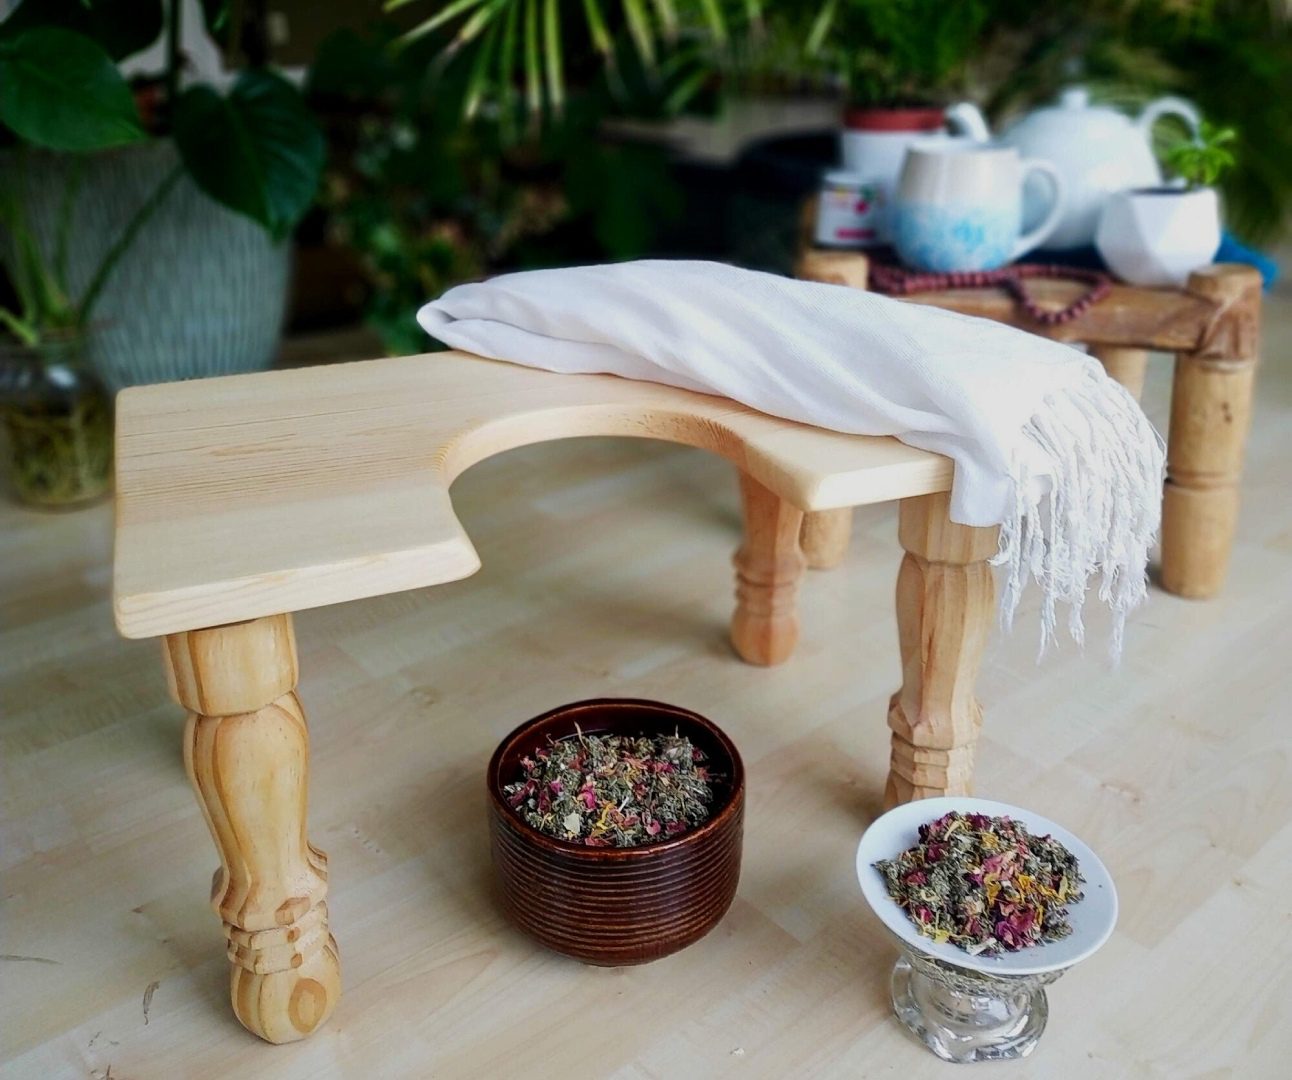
(1160,235)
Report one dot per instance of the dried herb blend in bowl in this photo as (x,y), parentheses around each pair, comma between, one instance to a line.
(985,884)
(612,790)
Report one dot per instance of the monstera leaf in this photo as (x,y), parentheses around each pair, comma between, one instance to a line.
(258,150)
(60,90)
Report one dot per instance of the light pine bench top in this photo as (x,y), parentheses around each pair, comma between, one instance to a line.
(250,495)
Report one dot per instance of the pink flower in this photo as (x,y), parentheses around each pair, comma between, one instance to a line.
(916,877)
(674,828)
(589,797)
(1014,932)
(653,828)
(924,915)
(934,852)
(555,785)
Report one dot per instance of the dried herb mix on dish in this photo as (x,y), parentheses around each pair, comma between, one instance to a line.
(613,790)
(985,884)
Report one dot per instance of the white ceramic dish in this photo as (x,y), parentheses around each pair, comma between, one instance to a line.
(1092,919)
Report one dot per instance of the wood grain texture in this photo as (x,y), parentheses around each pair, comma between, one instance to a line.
(608,906)
(250,771)
(769,565)
(606,572)
(251,495)
(825,537)
(1211,407)
(945,610)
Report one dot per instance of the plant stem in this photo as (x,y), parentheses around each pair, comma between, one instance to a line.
(140,218)
(75,174)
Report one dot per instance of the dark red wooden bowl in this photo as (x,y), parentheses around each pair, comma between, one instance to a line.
(617,906)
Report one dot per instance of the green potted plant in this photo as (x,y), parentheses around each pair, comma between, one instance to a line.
(1158,236)
(227,175)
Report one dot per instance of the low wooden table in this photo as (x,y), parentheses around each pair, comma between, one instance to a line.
(1212,326)
(245,498)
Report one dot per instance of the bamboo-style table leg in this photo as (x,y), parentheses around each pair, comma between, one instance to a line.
(1127,366)
(944,613)
(825,537)
(246,749)
(769,564)
(1211,410)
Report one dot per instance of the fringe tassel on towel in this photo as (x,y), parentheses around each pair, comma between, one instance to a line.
(1097,512)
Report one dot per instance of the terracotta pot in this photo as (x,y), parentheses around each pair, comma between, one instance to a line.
(618,906)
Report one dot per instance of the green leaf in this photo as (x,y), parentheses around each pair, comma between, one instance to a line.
(122,27)
(62,91)
(258,151)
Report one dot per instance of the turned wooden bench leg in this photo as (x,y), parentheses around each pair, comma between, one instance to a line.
(246,749)
(1211,411)
(1127,366)
(825,537)
(944,613)
(769,564)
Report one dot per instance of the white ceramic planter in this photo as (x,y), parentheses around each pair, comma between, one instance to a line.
(1159,236)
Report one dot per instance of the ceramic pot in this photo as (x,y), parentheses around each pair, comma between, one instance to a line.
(1159,236)
(960,206)
(1098,150)
(618,906)
(201,290)
(873,146)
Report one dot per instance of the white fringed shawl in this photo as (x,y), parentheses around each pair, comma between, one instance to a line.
(1044,443)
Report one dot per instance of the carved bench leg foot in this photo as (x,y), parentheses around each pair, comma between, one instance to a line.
(825,537)
(1211,409)
(944,612)
(765,627)
(246,748)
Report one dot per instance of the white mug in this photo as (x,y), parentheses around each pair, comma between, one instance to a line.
(959,206)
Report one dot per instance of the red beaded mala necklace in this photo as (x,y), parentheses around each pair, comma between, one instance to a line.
(893,281)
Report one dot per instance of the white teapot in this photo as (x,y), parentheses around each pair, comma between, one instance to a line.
(1097,150)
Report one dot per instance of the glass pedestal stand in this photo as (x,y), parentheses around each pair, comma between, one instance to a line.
(964,1016)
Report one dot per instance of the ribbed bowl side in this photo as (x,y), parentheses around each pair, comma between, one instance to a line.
(622,912)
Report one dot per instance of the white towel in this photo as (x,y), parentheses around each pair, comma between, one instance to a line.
(1044,443)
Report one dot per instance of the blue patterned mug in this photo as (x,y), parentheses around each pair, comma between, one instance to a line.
(959,206)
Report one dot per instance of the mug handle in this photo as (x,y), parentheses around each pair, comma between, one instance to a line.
(1034,238)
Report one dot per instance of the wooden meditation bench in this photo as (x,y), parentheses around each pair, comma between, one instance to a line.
(245,498)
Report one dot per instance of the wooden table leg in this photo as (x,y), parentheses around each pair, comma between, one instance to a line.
(1211,411)
(1127,366)
(769,564)
(825,537)
(246,749)
(944,612)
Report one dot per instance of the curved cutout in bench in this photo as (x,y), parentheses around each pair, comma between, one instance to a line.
(251,495)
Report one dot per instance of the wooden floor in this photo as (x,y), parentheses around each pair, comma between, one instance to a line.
(1177,768)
